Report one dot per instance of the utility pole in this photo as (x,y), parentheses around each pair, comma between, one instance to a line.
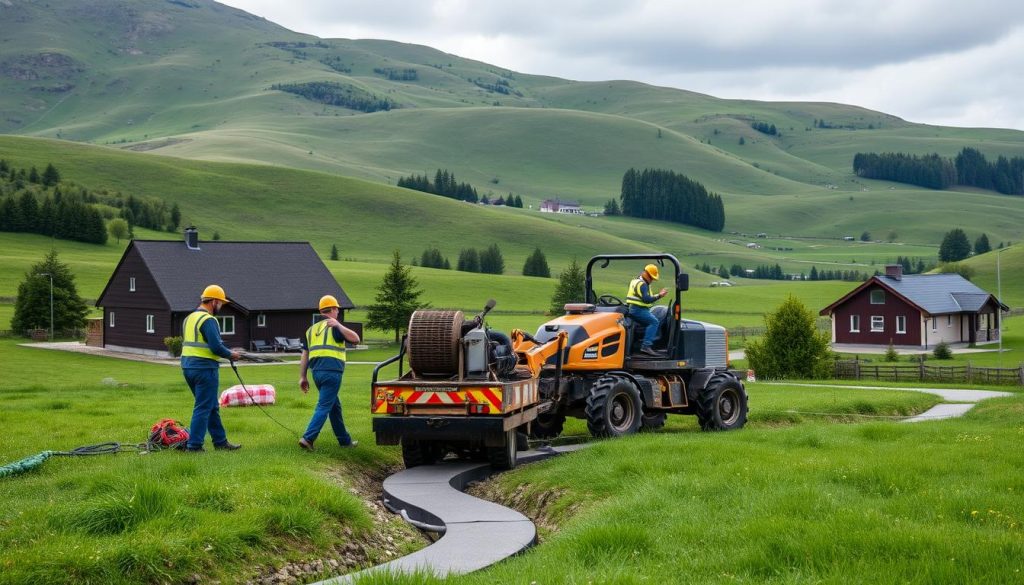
(999,298)
(51,300)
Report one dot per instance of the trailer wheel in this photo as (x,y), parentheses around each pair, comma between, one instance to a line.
(416,453)
(652,421)
(505,456)
(722,406)
(547,426)
(613,407)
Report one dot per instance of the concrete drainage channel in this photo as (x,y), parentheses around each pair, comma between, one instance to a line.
(431,498)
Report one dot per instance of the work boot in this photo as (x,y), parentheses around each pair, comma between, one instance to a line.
(649,351)
(352,444)
(194,450)
(308,446)
(227,446)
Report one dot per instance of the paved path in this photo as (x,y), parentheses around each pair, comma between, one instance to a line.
(963,400)
(476,533)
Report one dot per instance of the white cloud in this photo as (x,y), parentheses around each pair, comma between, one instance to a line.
(935,61)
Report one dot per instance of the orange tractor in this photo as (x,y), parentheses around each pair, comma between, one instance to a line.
(477,392)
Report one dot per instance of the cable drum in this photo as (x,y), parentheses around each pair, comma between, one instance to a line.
(434,342)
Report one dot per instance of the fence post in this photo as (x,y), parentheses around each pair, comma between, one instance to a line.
(920,370)
(1021,374)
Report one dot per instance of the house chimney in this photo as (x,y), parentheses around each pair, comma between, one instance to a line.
(894,271)
(192,238)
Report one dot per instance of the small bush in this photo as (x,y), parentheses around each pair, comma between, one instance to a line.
(173,345)
(942,351)
(890,354)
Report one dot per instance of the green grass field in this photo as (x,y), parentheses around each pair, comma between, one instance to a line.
(851,474)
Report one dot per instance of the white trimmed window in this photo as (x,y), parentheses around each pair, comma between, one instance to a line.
(935,324)
(901,324)
(877,323)
(854,323)
(150,325)
(949,320)
(111,317)
(878,297)
(227,325)
(131,284)
(261,320)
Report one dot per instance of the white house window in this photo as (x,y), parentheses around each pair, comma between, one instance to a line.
(227,325)
(111,318)
(131,284)
(877,323)
(316,317)
(150,325)
(901,324)
(935,324)
(854,323)
(878,297)
(261,320)
(949,320)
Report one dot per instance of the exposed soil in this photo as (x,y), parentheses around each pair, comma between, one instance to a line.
(538,507)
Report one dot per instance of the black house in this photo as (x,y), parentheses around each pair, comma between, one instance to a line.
(274,288)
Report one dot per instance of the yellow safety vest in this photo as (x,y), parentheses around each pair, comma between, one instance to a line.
(193,343)
(634,296)
(321,344)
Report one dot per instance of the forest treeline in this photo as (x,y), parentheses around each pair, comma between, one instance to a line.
(669,196)
(969,168)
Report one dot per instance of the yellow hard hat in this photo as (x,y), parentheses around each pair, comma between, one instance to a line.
(652,270)
(329,302)
(214,292)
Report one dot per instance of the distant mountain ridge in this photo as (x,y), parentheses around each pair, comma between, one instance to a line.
(194,78)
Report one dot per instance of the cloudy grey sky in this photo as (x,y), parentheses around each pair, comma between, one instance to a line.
(948,62)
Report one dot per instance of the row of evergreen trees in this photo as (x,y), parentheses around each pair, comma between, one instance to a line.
(488,261)
(444,184)
(337,94)
(18,177)
(59,216)
(956,246)
(932,171)
(666,195)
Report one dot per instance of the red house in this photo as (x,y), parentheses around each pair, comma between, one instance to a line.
(918,310)
(274,288)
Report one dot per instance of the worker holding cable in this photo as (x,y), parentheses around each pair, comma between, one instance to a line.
(323,351)
(200,348)
(639,301)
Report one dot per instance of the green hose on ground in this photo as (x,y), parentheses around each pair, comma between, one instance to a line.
(26,464)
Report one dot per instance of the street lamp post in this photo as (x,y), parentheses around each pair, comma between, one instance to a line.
(51,301)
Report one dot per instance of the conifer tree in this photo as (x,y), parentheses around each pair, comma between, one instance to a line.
(397,298)
(32,305)
(570,288)
(537,265)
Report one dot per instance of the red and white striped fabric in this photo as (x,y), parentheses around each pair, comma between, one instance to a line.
(236,395)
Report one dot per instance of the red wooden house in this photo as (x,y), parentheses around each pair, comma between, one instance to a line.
(917,310)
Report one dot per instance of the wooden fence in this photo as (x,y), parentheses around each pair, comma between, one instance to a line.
(924,372)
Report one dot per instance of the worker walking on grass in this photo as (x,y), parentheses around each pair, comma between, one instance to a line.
(323,350)
(639,301)
(201,346)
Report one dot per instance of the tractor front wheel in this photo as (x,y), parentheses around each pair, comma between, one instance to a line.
(722,406)
(613,407)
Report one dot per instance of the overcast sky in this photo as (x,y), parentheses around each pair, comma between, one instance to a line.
(955,63)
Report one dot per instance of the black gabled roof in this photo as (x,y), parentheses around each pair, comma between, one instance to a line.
(258,276)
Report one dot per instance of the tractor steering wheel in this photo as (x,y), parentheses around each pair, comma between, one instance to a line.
(609,301)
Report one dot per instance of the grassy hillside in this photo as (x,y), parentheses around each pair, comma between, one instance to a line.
(192,79)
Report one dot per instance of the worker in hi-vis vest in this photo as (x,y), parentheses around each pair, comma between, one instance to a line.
(201,346)
(323,351)
(639,301)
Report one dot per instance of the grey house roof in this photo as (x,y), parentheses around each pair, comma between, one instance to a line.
(257,276)
(935,294)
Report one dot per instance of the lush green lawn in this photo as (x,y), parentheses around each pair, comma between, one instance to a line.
(104,519)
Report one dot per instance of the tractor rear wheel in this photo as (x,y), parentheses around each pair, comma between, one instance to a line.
(505,456)
(547,426)
(416,453)
(652,421)
(613,407)
(722,406)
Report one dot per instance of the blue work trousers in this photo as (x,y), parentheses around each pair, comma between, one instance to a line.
(204,384)
(328,383)
(643,316)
